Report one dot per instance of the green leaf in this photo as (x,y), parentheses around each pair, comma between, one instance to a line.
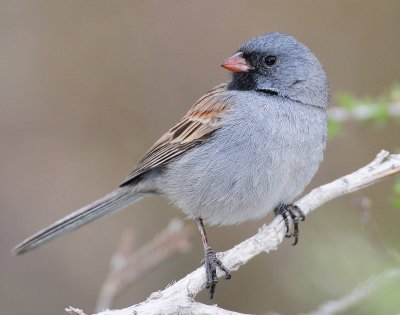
(396,190)
(346,101)
(381,115)
(396,202)
(334,128)
(396,187)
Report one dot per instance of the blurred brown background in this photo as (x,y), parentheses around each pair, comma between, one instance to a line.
(87,86)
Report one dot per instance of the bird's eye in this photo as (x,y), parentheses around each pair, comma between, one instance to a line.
(270,61)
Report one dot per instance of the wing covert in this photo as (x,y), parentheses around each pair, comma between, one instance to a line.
(202,120)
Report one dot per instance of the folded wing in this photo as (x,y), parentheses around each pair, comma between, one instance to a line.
(202,120)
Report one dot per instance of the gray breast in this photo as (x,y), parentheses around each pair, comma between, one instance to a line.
(267,151)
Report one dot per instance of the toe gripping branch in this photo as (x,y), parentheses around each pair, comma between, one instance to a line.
(211,262)
(291,214)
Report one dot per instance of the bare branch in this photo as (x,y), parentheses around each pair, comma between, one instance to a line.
(193,308)
(178,298)
(127,266)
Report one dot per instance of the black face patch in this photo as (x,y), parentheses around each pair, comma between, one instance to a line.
(245,81)
(242,81)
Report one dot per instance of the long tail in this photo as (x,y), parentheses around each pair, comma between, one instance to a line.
(115,200)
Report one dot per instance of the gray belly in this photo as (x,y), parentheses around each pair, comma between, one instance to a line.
(252,164)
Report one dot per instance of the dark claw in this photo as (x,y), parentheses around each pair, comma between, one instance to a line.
(296,233)
(293,213)
(211,262)
(287,225)
(224,269)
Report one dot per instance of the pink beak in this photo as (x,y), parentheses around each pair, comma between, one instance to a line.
(236,63)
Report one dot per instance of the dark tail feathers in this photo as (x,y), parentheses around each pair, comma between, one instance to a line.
(115,200)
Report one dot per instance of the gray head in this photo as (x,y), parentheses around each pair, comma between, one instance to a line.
(276,63)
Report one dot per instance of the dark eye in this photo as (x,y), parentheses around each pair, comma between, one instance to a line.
(270,61)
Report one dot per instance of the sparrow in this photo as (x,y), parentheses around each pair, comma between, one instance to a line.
(246,148)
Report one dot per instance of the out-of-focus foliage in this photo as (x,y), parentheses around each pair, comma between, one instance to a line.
(375,110)
(347,101)
(396,191)
(334,128)
(372,110)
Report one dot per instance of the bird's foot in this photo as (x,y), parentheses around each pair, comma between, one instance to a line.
(211,262)
(291,213)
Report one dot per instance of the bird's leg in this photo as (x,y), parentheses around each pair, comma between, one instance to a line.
(211,262)
(293,213)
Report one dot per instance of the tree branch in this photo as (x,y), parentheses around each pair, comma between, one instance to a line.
(361,112)
(360,292)
(178,298)
(128,265)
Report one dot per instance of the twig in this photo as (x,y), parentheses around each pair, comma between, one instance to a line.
(361,112)
(357,294)
(127,266)
(179,297)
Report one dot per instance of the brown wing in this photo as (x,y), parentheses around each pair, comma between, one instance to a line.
(202,120)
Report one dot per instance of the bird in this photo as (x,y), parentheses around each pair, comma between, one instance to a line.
(246,148)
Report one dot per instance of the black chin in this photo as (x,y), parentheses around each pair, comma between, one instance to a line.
(242,81)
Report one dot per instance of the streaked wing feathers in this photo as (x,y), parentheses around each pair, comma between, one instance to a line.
(198,124)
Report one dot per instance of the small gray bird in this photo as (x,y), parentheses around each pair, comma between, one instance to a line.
(247,147)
